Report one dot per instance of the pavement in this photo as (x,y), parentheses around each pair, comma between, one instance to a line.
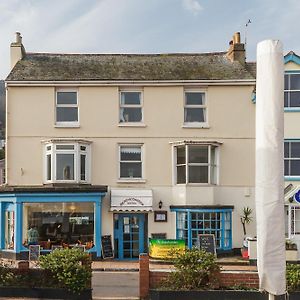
(234,263)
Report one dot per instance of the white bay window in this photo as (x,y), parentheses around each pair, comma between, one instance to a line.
(67,162)
(196,164)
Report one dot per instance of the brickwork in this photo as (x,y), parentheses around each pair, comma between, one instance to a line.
(227,279)
(144,275)
(156,277)
(239,278)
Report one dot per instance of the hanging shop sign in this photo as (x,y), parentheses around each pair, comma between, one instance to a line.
(163,249)
(297,197)
(131,200)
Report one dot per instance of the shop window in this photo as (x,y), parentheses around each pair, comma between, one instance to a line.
(195,110)
(53,225)
(217,222)
(67,162)
(131,108)
(66,107)
(9,229)
(131,162)
(294,221)
(292,158)
(196,164)
(292,90)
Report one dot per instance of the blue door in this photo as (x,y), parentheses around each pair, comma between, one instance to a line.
(129,234)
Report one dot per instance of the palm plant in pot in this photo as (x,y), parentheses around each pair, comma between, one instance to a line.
(246,218)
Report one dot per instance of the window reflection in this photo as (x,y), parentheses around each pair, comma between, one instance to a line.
(58,224)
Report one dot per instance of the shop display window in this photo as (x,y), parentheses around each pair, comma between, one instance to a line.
(217,222)
(58,225)
(9,230)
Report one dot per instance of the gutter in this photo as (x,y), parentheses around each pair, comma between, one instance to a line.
(243,82)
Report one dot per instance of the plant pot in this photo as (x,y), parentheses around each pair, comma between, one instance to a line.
(216,295)
(44,293)
(245,253)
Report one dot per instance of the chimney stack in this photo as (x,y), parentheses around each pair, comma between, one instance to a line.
(236,51)
(17,50)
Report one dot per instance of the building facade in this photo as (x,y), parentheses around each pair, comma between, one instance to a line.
(131,146)
(292,147)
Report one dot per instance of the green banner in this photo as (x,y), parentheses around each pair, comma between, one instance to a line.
(165,248)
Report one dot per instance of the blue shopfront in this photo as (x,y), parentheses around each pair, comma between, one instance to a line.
(194,220)
(50,217)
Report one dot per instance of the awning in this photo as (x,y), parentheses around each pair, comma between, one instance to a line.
(131,200)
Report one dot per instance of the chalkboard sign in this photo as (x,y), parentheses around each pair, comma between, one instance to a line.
(34,252)
(207,242)
(107,251)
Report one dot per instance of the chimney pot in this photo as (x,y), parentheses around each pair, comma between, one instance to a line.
(236,51)
(18,38)
(17,50)
(237,38)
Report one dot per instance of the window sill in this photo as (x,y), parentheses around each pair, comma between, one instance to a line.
(292,178)
(292,109)
(58,182)
(129,180)
(132,125)
(197,125)
(67,125)
(196,184)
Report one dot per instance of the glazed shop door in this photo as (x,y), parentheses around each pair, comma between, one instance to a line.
(129,234)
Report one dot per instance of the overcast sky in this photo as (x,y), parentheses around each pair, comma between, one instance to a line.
(145,26)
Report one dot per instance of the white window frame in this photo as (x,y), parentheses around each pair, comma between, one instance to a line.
(291,159)
(203,106)
(77,156)
(209,164)
(141,106)
(292,221)
(67,123)
(289,91)
(131,179)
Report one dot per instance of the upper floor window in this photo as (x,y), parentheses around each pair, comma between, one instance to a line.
(131,109)
(292,90)
(292,158)
(131,164)
(66,107)
(67,162)
(196,164)
(195,111)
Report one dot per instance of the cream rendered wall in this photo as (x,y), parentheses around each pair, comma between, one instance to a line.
(230,115)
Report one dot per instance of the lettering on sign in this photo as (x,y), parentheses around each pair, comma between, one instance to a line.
(106,246)
(131,201)
(207,242)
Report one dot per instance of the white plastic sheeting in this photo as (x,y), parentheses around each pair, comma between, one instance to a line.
(269,191)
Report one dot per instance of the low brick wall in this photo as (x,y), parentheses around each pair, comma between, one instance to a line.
(239,278)
(156,277)
(228,279)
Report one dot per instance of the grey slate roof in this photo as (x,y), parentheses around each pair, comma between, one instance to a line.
(61,67)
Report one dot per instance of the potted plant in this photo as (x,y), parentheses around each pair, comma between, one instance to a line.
(245,219)
(291,252)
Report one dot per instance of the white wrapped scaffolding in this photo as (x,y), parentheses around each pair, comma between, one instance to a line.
(269,191)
